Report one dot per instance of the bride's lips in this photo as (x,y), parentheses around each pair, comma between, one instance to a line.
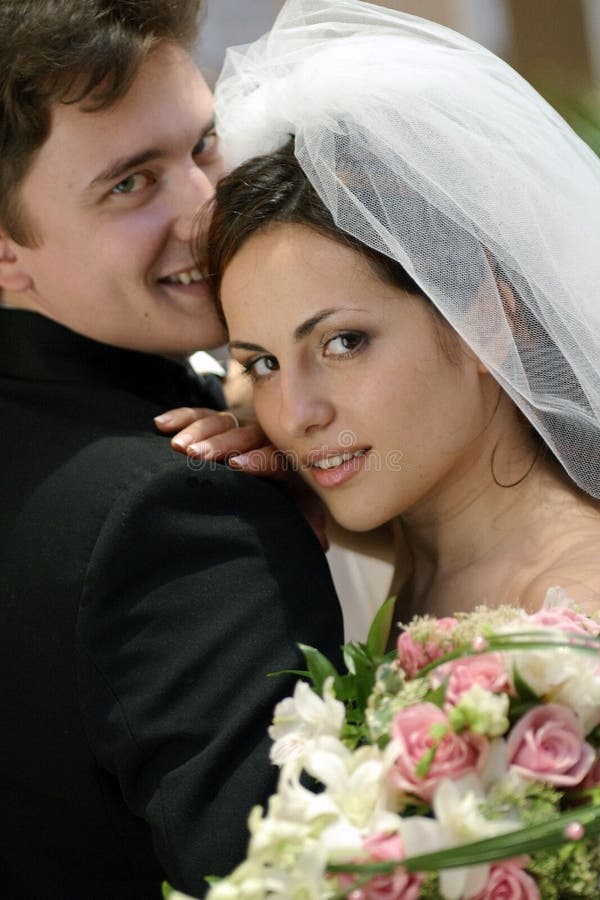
(339,466)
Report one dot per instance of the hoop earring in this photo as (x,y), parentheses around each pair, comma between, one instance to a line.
(523,477)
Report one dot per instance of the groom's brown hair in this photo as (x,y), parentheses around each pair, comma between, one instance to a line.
(70,51)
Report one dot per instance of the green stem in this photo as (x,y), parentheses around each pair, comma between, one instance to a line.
(525,640)
(522,842)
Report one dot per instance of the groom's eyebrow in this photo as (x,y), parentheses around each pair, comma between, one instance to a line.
(121,166)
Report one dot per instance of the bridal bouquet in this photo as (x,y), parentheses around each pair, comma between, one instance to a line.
(464,764)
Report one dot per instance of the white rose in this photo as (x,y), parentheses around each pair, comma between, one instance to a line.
(546,672)
(581,693)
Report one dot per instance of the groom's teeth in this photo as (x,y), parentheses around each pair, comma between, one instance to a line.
(192,276)
(333,461)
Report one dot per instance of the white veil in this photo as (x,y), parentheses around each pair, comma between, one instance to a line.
(430,149)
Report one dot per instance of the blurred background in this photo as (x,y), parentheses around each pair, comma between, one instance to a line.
(555,44)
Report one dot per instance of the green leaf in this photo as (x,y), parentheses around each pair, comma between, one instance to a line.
(437,695)
(364,669)
(379,632)
(356,656)
(424,765)
(319,668)
(345,689)
(593,737)
(302,673)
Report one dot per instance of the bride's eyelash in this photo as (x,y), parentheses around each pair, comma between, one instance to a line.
(249,368)
(362,342)
(360,338)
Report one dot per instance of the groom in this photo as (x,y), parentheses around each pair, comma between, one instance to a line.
(143,603)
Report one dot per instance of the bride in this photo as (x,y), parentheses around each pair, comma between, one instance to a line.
(406,258)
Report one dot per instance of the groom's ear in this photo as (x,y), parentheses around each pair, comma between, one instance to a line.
(13,274)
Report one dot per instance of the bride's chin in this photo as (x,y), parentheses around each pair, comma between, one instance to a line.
(355,520)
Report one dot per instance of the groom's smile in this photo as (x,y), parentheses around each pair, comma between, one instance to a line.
(120,189)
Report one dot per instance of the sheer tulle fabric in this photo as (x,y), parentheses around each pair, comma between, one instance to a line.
(427,147)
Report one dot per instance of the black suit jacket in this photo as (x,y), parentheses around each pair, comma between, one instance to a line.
(144,603)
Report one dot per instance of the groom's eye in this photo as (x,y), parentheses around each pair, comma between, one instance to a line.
(207,147)
(131,184)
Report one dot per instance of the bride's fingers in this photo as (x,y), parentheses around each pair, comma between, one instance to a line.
(176,419)
(203,430)
(229,441)
(266,461)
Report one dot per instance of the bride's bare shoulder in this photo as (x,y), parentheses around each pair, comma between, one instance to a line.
(576,570)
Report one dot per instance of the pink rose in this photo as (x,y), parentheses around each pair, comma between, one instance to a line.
(592,779)
(413,655)
(399,885)
(488,670)
(547,744)
(508,881)
(564,619)
(418,729)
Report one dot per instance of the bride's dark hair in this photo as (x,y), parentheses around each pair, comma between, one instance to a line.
(273,189)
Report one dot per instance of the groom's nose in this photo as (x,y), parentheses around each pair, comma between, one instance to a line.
(191,193)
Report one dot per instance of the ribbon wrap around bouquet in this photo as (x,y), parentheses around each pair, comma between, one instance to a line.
(430,149)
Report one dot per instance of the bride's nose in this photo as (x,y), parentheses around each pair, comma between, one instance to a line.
(304,405)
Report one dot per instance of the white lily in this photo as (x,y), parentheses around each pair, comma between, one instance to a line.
(456,805)
(496,764)
(354,781)
(299,719)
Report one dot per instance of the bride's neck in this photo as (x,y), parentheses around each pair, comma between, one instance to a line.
(481,538)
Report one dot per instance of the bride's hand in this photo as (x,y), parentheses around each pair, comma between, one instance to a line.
(207,434)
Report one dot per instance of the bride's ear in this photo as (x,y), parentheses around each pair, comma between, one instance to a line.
(13,274)
(509,304)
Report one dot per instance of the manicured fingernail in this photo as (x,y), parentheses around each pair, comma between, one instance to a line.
(198,449)
(164,419)
(242,460)
(183,440)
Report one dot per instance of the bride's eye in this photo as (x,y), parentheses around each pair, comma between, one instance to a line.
(346,344)
(260,367)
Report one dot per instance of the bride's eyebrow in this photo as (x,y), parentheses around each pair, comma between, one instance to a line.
(305,328)
(244,345)
(301,331)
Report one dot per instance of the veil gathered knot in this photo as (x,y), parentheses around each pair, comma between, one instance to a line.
(430,149)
